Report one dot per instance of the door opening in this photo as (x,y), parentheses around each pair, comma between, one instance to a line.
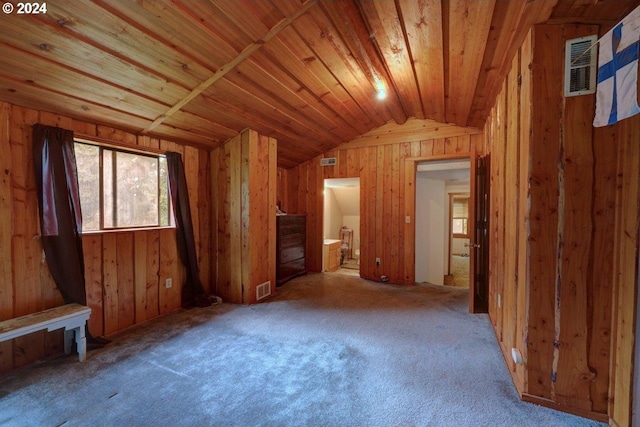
(459,240)
(341,229)
(442,222)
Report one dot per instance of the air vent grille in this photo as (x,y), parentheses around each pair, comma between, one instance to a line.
(328,161)
(580,66)
(263,290)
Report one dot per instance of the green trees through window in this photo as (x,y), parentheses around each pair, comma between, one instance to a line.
(120,189)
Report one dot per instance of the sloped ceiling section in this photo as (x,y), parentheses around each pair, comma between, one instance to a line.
(348,200)
(303,71)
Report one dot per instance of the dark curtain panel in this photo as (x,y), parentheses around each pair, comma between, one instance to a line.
(193,293)
(60,217)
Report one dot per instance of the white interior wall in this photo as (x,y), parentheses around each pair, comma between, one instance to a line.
(332,215)
(348,199)
(431,230)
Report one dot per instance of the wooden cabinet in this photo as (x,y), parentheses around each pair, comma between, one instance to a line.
(332,255)
(290,247)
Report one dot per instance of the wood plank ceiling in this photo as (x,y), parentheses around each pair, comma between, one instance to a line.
(303,71)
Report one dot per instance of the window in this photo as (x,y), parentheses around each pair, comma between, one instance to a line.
(121,189)
(459,227)
(460,216)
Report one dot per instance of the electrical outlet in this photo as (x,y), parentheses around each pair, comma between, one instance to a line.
(168,283)
(377,261)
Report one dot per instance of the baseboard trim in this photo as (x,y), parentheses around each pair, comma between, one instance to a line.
(604,418)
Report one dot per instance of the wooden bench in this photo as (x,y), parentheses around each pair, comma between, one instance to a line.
(71,317)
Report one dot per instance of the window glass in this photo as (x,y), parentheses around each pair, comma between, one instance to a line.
(165,204)
(107,193)
(120,189)
(459,226)
(460,216)
(88,161)
(136,190)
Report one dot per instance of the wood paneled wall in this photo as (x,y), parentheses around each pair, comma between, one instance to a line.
(125,271)
(625,136)
(554,208)
(508,258)
(244,203)
(385,161)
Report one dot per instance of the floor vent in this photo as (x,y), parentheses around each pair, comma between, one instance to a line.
(263,290)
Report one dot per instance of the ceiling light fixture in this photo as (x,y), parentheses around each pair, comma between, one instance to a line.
(381,91)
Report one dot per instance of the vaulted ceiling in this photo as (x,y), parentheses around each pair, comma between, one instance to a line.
(303,71)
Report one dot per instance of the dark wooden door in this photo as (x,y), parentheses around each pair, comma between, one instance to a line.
(481,241)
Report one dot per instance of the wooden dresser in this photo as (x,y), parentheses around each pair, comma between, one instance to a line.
(290,247)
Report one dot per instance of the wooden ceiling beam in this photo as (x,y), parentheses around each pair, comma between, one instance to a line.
(350,25)
(223,70)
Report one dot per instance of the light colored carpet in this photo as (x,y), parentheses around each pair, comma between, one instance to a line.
(460,271)
(327,350)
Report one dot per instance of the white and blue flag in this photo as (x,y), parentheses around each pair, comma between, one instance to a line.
(617,90)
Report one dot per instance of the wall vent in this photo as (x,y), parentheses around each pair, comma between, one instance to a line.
(263,290)
(328,161)
(580,66)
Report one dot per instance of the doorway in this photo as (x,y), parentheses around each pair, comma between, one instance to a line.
(341,228)
(438,254)
(459,239)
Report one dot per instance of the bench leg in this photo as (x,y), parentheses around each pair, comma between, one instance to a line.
(81,343)
(68,335)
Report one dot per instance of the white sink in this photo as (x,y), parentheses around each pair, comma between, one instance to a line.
(331,241)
